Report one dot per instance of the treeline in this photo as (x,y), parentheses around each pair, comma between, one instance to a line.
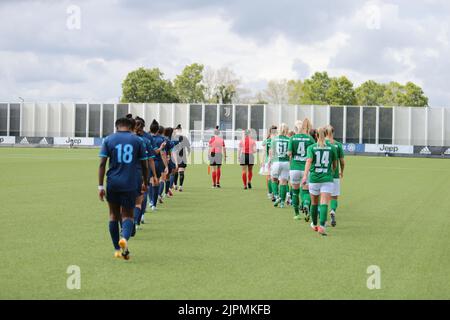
(197,84)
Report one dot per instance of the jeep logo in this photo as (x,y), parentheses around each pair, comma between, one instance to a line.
(389,149)
(73,141)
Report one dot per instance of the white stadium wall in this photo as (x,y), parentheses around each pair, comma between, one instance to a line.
(354,125)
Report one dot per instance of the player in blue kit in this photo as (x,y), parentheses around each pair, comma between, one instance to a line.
(125,152)
(141,199)
(161,165)
(171,160)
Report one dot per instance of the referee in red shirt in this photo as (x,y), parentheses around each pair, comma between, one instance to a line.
(216,154)
(247,150)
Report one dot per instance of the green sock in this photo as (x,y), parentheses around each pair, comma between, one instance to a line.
(269,187)
(314,214)
(333,204)
(323,208)
(295,198)
(306,199)
(301,197)
(283,192)
(275,188)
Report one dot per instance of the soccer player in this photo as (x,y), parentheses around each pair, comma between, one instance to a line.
(247,150)
(320,166)
(180,154)
(266,163)
(280,165)
(298,145)
(142,197)
(338,174)
(172,166)
(125,152)
(161,165)
(217,152)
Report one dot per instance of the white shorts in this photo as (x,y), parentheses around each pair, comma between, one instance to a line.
(280,170)
(317,188)
(337,188)
(265,169)
(296,176)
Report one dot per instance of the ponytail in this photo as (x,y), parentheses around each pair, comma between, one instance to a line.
(321,135)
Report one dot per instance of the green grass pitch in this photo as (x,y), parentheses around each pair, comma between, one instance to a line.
(223,244)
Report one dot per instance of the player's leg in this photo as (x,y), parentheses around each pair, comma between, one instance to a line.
(284,180)
(295,177)
(275,173)
(144,207)
(128,200)
(314,189)
(334,201)
(250,175)
(137,213)
(244,175)
(325,195)
(114,226)
(175,179)
(182,176)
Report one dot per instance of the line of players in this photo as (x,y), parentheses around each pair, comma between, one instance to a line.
(304,168)
(143,167)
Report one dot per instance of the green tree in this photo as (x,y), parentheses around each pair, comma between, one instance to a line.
(147,85)
(393,94)
(225,93)
(295,91)
(414,96)
(315,89)
(341,92)
(188,85)
(370,93)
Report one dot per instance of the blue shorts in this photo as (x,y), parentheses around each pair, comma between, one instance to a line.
(139,185)
(126,199)
(159,168)
(172,166)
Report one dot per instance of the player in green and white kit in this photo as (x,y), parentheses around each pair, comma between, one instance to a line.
(265,165)
(298,145)
(320,167)
(338,173)
(280,165)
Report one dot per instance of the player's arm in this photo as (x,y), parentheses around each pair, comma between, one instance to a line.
(104,155)
(224,150)
(289,153)
(307,168)
(335,159)
(151,165)
(165,161)
(309,160)
(101,178)
(341,162)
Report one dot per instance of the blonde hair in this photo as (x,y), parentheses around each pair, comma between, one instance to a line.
(298,126)
(321,135)
(306,126)
(329,131)
(284,129)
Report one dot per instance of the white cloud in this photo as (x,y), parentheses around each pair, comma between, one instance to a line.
(260,40)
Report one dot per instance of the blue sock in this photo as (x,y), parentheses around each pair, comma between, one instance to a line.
(127,228)
(150,195)
(114,231)
(167,186)
(137,216)
(155,195)
(161,188)
(171,180)
(144,203)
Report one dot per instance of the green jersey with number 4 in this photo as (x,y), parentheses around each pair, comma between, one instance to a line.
(340,155)
(322,163)
(298,145)
(279,147)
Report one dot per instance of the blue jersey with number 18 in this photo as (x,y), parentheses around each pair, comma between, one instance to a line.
(125,152)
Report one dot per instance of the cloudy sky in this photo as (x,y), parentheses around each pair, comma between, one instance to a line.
(48,54)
